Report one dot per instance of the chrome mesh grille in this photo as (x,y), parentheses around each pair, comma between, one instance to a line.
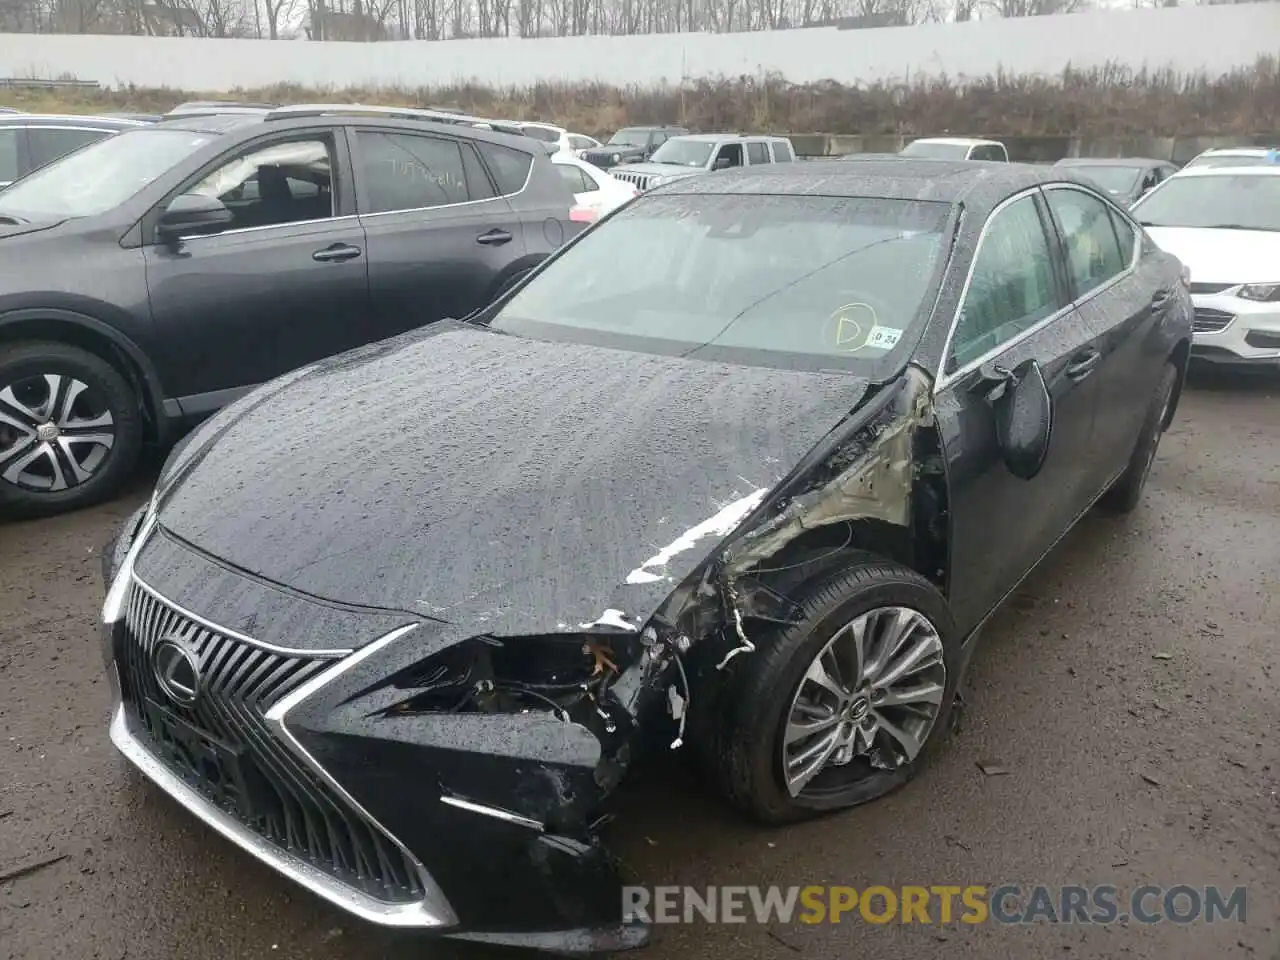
(1208,320)
(222,747)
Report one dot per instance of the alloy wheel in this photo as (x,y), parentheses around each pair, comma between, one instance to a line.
(873,693)
(55,432)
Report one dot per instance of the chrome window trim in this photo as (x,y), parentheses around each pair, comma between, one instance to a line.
(269,226)
(235,634)
(434,909)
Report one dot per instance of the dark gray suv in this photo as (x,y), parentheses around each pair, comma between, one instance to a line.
(155,276)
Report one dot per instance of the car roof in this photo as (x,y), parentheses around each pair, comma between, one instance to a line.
(899,178)
(958,141)
(725,137)
(1114,161)
(1262,170)
(70,119)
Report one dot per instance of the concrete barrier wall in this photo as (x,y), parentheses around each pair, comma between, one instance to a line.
(1211,38)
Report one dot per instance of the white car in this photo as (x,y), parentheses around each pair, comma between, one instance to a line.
(565,141)
(1236,157)
(956,148)
(1223,223)
(595,192)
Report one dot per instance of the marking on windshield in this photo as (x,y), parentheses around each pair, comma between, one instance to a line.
(885,338)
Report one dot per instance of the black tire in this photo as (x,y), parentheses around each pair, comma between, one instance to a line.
(1126,493)
(108,390)
(748,714)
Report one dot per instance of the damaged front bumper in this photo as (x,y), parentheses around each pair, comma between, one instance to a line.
(368,777)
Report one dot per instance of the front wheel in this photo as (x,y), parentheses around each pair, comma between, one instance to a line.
(70,429)
(843,706)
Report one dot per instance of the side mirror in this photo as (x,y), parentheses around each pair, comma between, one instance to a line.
(191,213)
(1024,416)
(722,163)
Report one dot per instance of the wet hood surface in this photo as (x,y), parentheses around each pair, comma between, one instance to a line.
(507,484)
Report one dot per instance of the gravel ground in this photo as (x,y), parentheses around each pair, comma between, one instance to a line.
(1127,690)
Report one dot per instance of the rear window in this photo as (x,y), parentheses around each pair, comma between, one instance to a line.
(545,134)
(510,168)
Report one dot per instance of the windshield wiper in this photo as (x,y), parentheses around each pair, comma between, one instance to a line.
(11,219)
(1236,226)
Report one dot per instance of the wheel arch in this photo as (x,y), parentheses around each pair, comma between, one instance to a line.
(100,339)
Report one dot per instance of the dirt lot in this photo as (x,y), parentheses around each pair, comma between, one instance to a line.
(1124,767)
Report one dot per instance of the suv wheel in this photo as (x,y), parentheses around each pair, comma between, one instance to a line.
(70,429)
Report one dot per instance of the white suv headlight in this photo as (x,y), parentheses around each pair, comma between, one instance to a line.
(1262,292)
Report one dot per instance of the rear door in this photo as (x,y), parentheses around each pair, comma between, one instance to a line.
(1121,293)
(440,234)
(757,152)
(283,285)
(1015,308)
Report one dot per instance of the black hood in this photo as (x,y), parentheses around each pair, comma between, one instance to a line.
(509,485)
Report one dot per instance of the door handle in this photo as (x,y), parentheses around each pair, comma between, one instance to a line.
(1161,300)
(494,238)
(1082,364)
(336,253)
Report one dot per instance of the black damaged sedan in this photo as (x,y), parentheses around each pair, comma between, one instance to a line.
(743,470)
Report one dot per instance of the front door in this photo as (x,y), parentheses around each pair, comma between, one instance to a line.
(283,285)
(1015,308)
(440,237)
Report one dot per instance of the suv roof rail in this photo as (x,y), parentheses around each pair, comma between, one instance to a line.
(295,110)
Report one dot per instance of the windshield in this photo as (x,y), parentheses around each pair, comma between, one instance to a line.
(545,134)
(942,151)
(1238,201)
(685,153)
(98,177)
(630,138)
(820,283)
(1113,179)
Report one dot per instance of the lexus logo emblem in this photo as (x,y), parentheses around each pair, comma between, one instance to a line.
(177,671)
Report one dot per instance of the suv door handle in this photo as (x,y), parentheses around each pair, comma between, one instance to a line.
(1161,300)
(494,238)
(1082,363)
(337,252)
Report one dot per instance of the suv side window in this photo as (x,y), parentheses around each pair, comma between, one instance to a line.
(731,152)
(757,152)
(657,138)
(510,168)
(409,171)
(1089,240)
(1012,286)
(283,183)
(782,152)
(9,154)
(49,143)
(986,151)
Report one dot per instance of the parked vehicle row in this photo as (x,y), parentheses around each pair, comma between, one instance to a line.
(718,473)
(212,252)
(1222,220)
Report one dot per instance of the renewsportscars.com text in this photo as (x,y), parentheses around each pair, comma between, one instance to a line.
(935,904)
